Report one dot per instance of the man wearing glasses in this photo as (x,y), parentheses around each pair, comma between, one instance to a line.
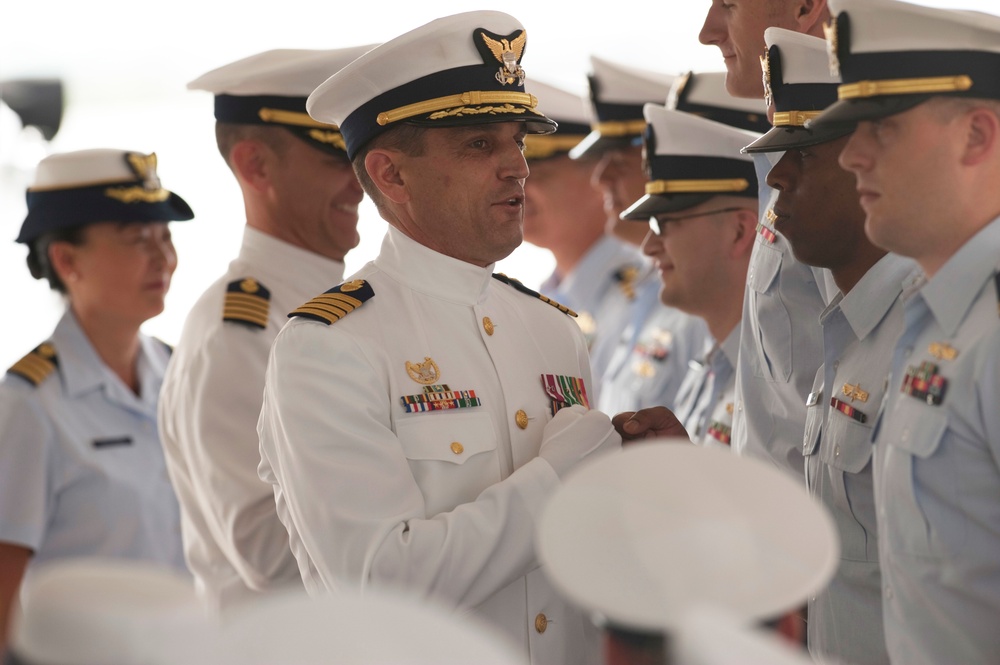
(701,202)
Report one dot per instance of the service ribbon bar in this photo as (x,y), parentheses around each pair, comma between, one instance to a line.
(565,391)
(720,431)
(766,233)
(848,410)
(439,398)
(925,383)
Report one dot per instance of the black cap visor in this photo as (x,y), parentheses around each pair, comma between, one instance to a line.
(779,139)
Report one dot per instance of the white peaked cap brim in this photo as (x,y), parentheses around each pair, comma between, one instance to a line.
(644,536)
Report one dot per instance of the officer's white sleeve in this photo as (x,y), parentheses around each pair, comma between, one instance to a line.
(27,475)
(209,410)
(327,444)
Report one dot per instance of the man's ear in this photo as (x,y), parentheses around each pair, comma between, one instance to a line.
(982,135)
(250,161)
(810,15)
(383,168)
(745,235)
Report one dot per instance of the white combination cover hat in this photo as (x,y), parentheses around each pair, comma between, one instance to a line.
(645,537)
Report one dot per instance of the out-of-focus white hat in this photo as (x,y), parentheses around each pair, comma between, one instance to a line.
(617,95)
(103,611)
(643,538)
(704,94)
(569,110)
(270,88)
(377,628)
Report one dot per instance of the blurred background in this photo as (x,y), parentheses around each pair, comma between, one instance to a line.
(122,69)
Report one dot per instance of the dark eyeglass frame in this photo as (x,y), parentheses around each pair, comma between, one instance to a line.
(656,225)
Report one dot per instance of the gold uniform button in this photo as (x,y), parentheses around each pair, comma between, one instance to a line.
(541,622)
(488,325)
(521,418)
(457,448)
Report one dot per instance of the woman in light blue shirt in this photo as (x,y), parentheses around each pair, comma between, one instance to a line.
(82,472)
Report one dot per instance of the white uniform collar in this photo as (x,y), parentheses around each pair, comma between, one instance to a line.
(307,271)
(872,297)
(432,273)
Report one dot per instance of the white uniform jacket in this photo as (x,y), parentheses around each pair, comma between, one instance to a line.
(380,485)
(233,539)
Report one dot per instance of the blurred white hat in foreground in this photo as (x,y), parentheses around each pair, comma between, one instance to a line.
(376,628)
(107,611)
(643,538)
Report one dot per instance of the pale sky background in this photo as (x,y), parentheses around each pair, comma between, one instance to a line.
(126,63)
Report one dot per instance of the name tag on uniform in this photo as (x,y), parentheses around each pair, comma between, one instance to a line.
(112,441)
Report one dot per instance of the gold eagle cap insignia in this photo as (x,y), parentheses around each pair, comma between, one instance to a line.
(507,51)
(832,46)
(765,68)
(144,167)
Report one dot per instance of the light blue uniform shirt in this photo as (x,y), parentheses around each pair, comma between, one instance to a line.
(781,344)
(860,330)
(601,290)
(705,401)
(81,467)
(937,477)
(650,361)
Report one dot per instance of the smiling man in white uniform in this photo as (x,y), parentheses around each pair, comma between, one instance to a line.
(301,200)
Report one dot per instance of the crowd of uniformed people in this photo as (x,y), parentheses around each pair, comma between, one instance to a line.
(771,338)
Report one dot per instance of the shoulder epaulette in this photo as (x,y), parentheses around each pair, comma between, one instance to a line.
(247,302)
(510,281)
(336,303)
(37,365)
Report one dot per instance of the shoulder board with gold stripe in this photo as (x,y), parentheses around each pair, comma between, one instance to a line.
(510,281)
(247,302)
(336,303)
(37,365)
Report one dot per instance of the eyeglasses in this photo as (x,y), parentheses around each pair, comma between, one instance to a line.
(658,222)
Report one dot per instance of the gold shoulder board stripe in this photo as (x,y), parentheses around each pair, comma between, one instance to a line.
(336,303)
(247,302)
(510,281)
(37,365)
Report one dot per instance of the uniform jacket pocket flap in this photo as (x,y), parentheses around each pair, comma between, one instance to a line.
(451,437)
(919,427)
(848,445)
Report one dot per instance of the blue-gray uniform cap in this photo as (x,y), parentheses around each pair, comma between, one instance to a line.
(704,94)
(691,159)
(570,111)
(617,95)
(463,69)
(798,82)
(271,88)
(894,55)
(72,189)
